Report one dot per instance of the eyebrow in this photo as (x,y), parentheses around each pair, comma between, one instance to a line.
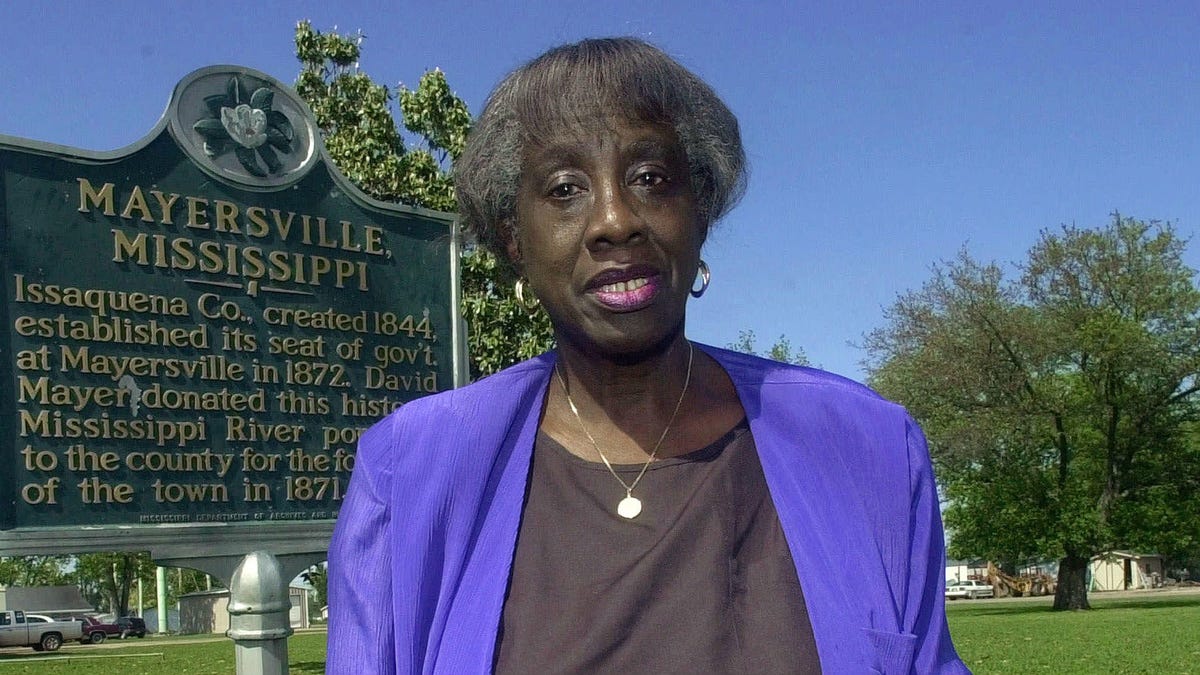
(651,147)
(573,153)
(546,159)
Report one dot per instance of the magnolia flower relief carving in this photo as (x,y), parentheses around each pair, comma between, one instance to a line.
(244,122)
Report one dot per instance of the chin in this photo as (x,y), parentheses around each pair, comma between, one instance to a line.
(629,344)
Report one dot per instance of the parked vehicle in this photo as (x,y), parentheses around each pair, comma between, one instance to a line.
(44,636)
(131,626)
(95,631)
(969,589)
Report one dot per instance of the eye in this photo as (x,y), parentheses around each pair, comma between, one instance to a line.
(564,190)
(650,178)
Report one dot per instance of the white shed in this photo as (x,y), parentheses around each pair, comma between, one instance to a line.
(1125,570)
(208,611)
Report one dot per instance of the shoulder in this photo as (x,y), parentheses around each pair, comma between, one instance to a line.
(509,382)
(802,404)
(471,415)
(776,378)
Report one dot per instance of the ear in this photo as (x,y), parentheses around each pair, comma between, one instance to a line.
(508,234)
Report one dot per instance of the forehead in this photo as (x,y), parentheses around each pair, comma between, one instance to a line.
(602,135)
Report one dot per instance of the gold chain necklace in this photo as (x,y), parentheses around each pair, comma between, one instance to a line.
(630,506)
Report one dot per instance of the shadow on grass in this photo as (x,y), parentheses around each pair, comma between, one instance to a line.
(30,655)
(1100,604)
(1005,610)
(307,668)
(1185,601)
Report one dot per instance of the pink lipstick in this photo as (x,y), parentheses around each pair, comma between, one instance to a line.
(626,292)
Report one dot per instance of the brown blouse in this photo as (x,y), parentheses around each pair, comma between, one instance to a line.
(702,581)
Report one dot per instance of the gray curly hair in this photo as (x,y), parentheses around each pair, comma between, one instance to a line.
(566,87)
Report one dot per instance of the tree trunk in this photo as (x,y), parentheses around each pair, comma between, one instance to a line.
(122,608)
(1072,583)
(125,583)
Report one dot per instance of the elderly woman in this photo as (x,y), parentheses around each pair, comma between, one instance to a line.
(631,502)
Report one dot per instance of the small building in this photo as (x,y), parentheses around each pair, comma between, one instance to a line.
(962,570)
(55,601)
(208,611)
(1125,570)
(150,616)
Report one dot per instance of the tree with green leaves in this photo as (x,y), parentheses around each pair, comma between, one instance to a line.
(107,580)
(780,351)
(34,570)
(355,115)
(1060,404)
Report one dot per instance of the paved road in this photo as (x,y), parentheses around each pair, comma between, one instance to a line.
(1106,595)
(150,641)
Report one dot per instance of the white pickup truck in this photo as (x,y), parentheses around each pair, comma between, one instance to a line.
(17,631)
(969,589)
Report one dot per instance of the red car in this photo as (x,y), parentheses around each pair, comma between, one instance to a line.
(96,631)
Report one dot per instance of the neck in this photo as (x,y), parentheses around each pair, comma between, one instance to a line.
(624,404)
(654,377)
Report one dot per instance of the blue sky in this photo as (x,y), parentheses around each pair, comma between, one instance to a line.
(883,137)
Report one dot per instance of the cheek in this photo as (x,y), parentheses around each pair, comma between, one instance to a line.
(691,237)
(545,240)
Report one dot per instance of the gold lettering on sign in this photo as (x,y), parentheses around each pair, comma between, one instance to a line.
(235,258)
(47,424)
(165,203)
(197,215)
(179,492)
(137,201)
(79,458)
(224,216)
(118,330)
(98,301)
(95,491)
(227,213)
(241,429)
(101,198)
(214,257)
(75,397)
(34,359)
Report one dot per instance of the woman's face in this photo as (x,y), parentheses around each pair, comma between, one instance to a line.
(608,235)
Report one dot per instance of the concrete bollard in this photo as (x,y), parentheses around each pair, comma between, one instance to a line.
(259,609)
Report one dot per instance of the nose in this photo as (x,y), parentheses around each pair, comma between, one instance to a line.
(615,219)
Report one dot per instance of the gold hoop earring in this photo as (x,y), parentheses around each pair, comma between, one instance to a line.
(705,276)
(531,303)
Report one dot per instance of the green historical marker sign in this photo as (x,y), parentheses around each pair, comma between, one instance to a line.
(198,328)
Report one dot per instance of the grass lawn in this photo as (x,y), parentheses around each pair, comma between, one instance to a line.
(1155,633)
(199,655)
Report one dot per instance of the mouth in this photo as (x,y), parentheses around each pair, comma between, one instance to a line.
(626,290)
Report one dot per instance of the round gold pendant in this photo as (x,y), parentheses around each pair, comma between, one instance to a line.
(629,507)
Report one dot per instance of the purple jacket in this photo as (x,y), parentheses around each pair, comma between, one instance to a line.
(421,556)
